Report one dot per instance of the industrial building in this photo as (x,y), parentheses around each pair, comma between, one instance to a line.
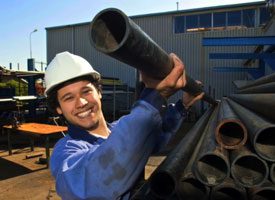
(182,32)
(223,152)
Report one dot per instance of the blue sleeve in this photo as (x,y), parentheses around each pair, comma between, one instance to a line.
(108,170)
(172,120)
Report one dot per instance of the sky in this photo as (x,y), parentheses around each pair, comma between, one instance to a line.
(19,18)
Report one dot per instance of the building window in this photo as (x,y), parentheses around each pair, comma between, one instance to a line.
(234,18)
(264,15)
(205,20)
(219,19)
(192,22)
(249,18)
(179,24)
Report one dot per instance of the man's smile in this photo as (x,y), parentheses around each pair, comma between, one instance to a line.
(84,114)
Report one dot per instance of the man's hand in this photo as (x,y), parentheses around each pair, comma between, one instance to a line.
(188,99)
(174,81)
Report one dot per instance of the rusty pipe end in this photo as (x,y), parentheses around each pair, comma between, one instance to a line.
(231,134)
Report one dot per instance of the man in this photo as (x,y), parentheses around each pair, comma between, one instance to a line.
(98,160)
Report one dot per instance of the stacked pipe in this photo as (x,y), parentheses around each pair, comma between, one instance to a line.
(255,105)
(234,157)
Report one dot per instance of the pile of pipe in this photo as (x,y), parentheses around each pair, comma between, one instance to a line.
(229,154)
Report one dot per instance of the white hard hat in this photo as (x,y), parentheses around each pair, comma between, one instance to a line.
(66,66)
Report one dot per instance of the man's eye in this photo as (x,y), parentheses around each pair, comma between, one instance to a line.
(68,98)
(87,91)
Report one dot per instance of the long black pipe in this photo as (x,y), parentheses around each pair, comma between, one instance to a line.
(116,35)
(262,104)
(247,169)
(265,79)
(190,188)
(230,131)
(228,190)
(212,163)
(264,88)
(261,131)
(164,180)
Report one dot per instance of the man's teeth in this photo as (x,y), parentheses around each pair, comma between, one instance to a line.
(84,114)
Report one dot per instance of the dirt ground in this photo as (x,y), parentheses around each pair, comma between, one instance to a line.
(28,179)
(22,178)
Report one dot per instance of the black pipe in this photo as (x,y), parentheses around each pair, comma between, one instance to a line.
(190,188)
(261,131)
(230,131)
(247,169)
(164,179)
(262,104)
(272,172)
(211,166)
(264,88)
(116,35)
(228,190)
(265,79)
(264,192)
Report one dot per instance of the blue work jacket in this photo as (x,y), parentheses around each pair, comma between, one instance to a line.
(89,167)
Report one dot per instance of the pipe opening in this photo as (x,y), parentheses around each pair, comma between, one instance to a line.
(232,133)
(227,193)
(212,169)
(249,171)
(264,194)
(162,184)
(108,31)
(265,144)
(191,188)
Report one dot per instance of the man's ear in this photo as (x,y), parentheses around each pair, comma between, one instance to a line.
(59,111)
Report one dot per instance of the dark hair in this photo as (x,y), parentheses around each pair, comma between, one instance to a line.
(52,102)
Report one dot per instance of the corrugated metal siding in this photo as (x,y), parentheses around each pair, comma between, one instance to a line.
(270,32)
(58,40)
(188,47)
(271,28)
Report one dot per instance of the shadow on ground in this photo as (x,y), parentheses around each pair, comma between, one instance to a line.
(10,169)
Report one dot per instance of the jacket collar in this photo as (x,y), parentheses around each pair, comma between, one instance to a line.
(78,133)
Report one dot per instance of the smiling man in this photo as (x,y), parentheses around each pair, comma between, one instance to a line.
(100,160)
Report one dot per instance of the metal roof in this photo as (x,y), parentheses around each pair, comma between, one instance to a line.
(212,8)
(7,72)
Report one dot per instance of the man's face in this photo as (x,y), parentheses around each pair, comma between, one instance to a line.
(80,104)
